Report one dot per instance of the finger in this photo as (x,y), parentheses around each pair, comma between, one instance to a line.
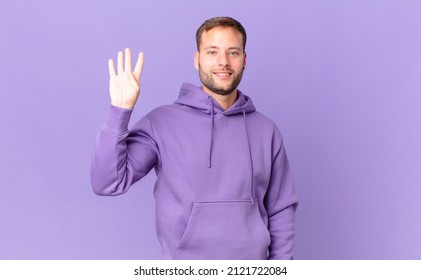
(111,69)
(139,65)
(120,63)
(128,61)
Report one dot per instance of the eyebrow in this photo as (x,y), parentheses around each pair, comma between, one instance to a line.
(215,47)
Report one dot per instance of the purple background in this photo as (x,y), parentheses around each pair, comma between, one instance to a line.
(342,79)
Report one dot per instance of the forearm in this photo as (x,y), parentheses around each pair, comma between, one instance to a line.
(282,231)
(281,203)
(108,166)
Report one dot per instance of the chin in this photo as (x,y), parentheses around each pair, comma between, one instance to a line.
(223,92)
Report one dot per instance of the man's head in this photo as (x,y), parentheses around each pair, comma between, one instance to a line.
(220,22)
(220,56)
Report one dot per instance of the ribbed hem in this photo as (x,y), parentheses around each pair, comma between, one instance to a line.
(117,120)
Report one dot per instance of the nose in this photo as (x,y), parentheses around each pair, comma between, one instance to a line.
(223,59)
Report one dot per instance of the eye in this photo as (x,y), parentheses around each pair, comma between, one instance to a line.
(234,53)
(211,52)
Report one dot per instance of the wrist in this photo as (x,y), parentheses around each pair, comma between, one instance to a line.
(117,120)
(123,105)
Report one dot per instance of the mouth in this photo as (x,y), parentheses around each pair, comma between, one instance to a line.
(223,74)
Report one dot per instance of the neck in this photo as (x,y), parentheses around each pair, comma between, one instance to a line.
(225,101)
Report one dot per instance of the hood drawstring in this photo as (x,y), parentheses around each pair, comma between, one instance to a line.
(212,115)
(211,140)
(251,158)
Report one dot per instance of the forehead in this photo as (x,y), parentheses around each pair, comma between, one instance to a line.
(222,37)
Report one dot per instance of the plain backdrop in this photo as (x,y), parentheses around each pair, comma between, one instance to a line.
(342,79)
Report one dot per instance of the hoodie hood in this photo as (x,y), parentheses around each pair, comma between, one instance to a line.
(194,96)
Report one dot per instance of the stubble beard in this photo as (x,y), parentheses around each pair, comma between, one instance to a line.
(209,82)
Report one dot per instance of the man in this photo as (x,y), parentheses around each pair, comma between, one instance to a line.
(224,188)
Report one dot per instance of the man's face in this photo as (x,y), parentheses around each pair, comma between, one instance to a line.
(220,60)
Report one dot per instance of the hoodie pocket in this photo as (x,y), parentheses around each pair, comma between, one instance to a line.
(224,230)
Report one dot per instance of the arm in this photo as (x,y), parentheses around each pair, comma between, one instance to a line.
(115,164)
(121,158)
(281,203)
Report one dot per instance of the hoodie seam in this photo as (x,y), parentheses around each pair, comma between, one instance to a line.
(225,201)
(158,164)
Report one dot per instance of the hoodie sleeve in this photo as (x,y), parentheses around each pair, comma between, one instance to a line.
(281,203)
(122,157)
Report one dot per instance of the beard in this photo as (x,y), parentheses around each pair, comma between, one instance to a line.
(209,82)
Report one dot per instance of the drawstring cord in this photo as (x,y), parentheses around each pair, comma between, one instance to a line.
(211,141)
(251,159)
(248,143)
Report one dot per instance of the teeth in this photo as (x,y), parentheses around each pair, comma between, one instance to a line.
(222,74)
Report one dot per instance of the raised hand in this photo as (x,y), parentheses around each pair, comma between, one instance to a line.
(125,85)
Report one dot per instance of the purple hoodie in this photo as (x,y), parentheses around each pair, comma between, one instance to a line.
(224,188)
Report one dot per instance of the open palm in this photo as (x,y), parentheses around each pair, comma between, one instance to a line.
(125,84)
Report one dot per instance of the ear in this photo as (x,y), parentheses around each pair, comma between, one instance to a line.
(245,59)
(196,60)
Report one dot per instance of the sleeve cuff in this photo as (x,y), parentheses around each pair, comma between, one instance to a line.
(117,120)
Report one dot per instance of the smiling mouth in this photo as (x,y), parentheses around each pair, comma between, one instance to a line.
(222,74)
